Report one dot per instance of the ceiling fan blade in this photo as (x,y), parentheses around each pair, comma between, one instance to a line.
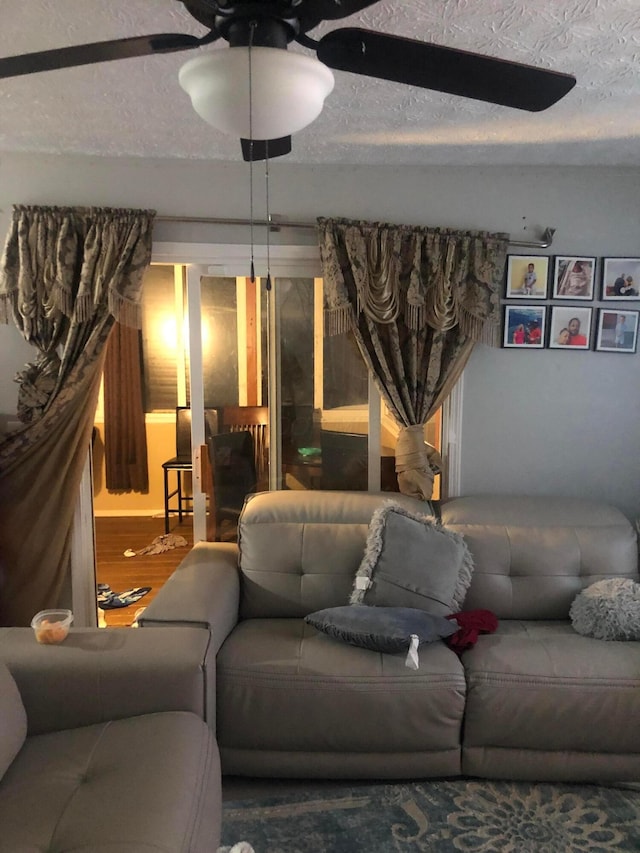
(102,51)
(260,149)
(312,12)
(445,69)
(330,10)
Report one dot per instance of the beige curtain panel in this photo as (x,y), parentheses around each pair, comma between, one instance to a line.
(416,300)
(66,275)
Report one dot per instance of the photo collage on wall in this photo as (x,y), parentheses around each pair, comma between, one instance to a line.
(539,288)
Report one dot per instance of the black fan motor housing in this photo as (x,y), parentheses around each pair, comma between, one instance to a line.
(272,23)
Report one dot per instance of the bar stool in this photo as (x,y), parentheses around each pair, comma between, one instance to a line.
(182,463)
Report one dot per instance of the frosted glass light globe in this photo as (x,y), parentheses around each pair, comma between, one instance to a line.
(288,90)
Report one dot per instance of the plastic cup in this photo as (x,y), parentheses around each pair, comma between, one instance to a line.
(52,626)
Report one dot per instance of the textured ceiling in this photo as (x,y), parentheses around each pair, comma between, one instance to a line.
(135,107)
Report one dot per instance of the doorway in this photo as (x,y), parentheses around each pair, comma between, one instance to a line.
(268,341)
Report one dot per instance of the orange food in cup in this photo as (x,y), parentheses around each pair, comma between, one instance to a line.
(50,633)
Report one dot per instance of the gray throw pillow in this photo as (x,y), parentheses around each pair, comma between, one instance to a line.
(382,629)
(13,729)
(412,560)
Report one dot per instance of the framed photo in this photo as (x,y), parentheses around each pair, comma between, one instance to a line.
(574,278)
(617,330)
(524,326)
(570,327)
(620,278)
(527,276)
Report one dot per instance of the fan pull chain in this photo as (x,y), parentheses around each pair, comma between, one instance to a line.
(266,182)
(252,27)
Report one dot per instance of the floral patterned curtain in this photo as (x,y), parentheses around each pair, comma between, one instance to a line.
(67,274)
(417,300)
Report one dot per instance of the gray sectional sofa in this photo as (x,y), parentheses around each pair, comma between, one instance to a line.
(534,700)
(104,744)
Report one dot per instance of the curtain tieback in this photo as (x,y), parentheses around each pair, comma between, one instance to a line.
(411,450)
(416,463)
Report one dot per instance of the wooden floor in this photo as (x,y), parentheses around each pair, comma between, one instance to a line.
(113,537)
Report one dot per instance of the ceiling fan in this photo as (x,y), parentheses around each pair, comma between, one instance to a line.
(276,23)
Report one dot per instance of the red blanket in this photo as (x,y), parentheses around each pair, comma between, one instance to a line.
(471,623)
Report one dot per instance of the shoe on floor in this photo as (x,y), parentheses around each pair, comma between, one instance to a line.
(124,599)
(104,593)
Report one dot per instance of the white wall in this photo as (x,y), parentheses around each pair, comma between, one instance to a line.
(545,421)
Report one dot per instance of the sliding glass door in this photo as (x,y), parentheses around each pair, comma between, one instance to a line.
(275,404)
(228,394)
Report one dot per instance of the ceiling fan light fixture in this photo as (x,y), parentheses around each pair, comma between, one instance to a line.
(288,90)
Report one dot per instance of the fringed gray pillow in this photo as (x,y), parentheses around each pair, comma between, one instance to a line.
(608,610)
(383,629)
(412,560)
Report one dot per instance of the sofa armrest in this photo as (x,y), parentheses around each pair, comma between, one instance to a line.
(100,674)
(204,592)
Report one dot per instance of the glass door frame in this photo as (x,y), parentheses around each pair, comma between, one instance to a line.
(196,397)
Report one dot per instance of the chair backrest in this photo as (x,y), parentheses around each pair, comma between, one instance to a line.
(344,461)
(233,468)
(183,429)
(183,432)
(255,420)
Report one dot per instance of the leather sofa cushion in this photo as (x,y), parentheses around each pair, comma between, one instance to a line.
(145,783)
(540,686)
(285,687)
(13,728)
(533,555)
(299,551)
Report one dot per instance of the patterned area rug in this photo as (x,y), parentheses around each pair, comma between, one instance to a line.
(439,817)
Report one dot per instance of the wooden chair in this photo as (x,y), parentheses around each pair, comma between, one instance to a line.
(229,475)
(255,420)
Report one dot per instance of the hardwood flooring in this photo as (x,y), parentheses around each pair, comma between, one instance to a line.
(113,537)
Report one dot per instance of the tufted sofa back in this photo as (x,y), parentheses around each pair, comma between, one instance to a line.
(533,555)
(300,550)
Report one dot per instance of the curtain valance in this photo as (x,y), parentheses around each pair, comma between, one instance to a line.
(64,261)
(434,277)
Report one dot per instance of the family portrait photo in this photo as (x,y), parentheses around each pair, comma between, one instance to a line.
(620,278)
(617,331)
(527,277)
(524,326)
(570,327)
(574,278)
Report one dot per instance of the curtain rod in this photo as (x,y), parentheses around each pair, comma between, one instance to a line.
(275,223)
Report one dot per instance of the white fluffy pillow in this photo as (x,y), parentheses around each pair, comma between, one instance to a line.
(608,610)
